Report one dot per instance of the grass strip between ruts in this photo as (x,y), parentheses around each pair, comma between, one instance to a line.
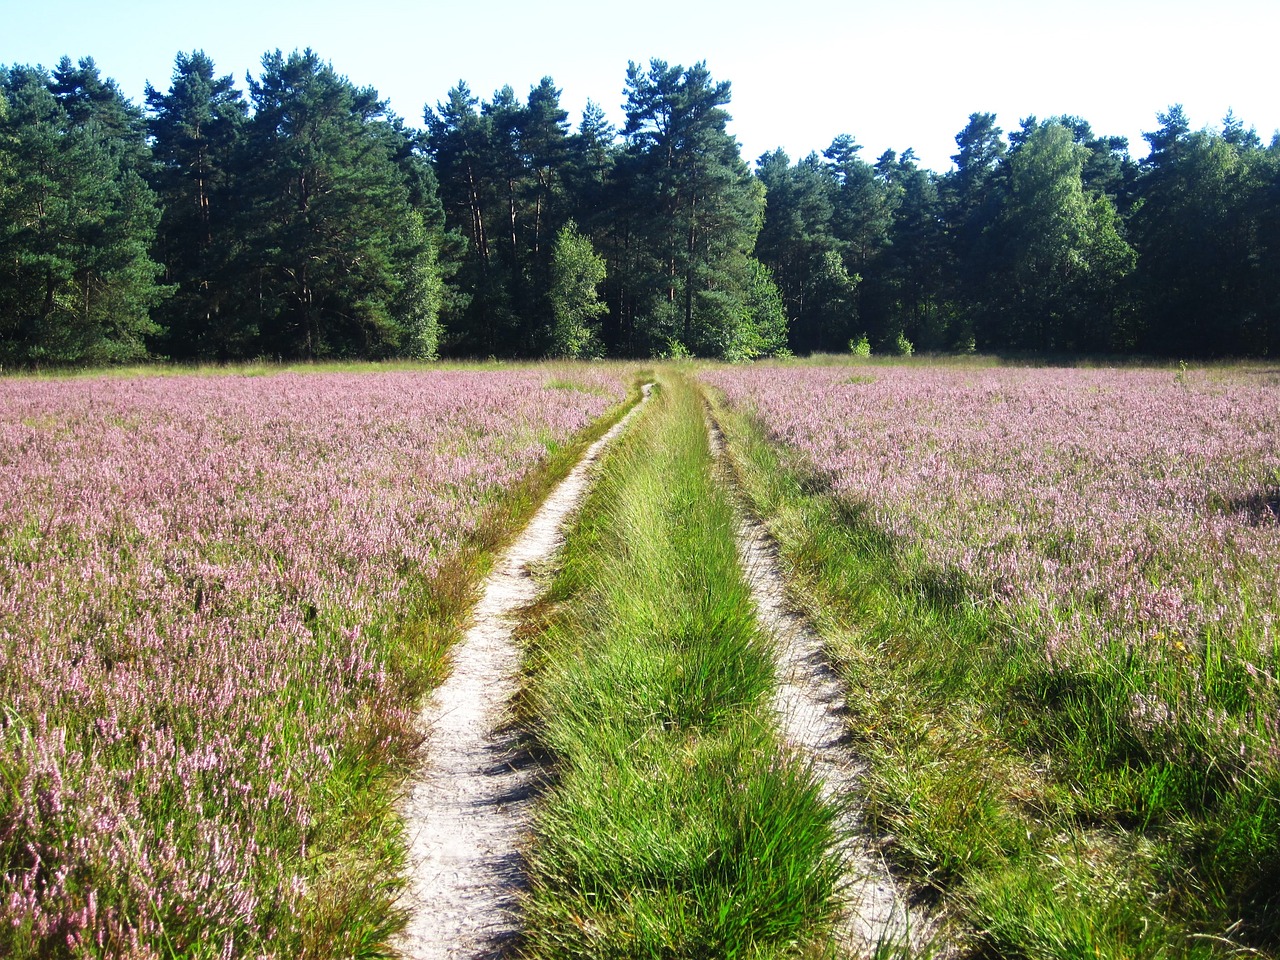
(974,775)
(675,826)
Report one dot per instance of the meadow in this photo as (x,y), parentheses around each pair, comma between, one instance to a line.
(1053,593)
(1130,507)
(220,600)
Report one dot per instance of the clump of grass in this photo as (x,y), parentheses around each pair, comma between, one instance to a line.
(674,827)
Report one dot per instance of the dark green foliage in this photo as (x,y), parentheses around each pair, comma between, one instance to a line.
(1055,242)
(864,207)
(337,259)
(693,212)
(828,225)
(796,235)
(834,314)
(89,99)
(857,248)
(306,220)
(76,221)
(588,167)
(907,296)
(196,130)
(1200,237)
(503,168)
(972,200)
(311,229)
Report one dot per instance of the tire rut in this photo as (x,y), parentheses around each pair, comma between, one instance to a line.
(809,703)
(467,812)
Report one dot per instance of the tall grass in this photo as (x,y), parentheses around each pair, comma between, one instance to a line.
(1073,772)
(674,826)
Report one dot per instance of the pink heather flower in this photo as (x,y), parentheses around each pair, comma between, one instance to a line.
(194,590)
(1095,507)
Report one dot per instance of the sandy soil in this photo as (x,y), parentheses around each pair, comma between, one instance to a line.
(810,704)
(467,812)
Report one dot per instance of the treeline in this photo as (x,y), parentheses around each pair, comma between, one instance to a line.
(302,219)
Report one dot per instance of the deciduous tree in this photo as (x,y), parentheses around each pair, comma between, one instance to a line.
(1059,252)
(576,274)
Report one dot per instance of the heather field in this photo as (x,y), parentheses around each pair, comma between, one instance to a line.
(1129,508)
(1050,593)
(220,599)
(1054,594)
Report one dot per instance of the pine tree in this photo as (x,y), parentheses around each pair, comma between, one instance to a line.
(332,240)
(797,234)
(863,207)
(863,217)
(1197,233)
(76,224)
(461,145)
(695,212)
(971,200)
(910,279)
(591,154)
(544,148)
(197,132)
(90,99)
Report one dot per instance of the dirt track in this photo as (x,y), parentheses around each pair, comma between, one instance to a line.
(467,813)
(809,702)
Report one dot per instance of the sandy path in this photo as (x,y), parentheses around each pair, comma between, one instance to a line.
(809,703)
(467,812)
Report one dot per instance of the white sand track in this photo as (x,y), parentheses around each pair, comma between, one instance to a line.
(467,812)
(809,703)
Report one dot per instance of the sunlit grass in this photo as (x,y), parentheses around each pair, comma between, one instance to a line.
(674,826)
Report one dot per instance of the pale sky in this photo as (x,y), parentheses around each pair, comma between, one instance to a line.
(892,75)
